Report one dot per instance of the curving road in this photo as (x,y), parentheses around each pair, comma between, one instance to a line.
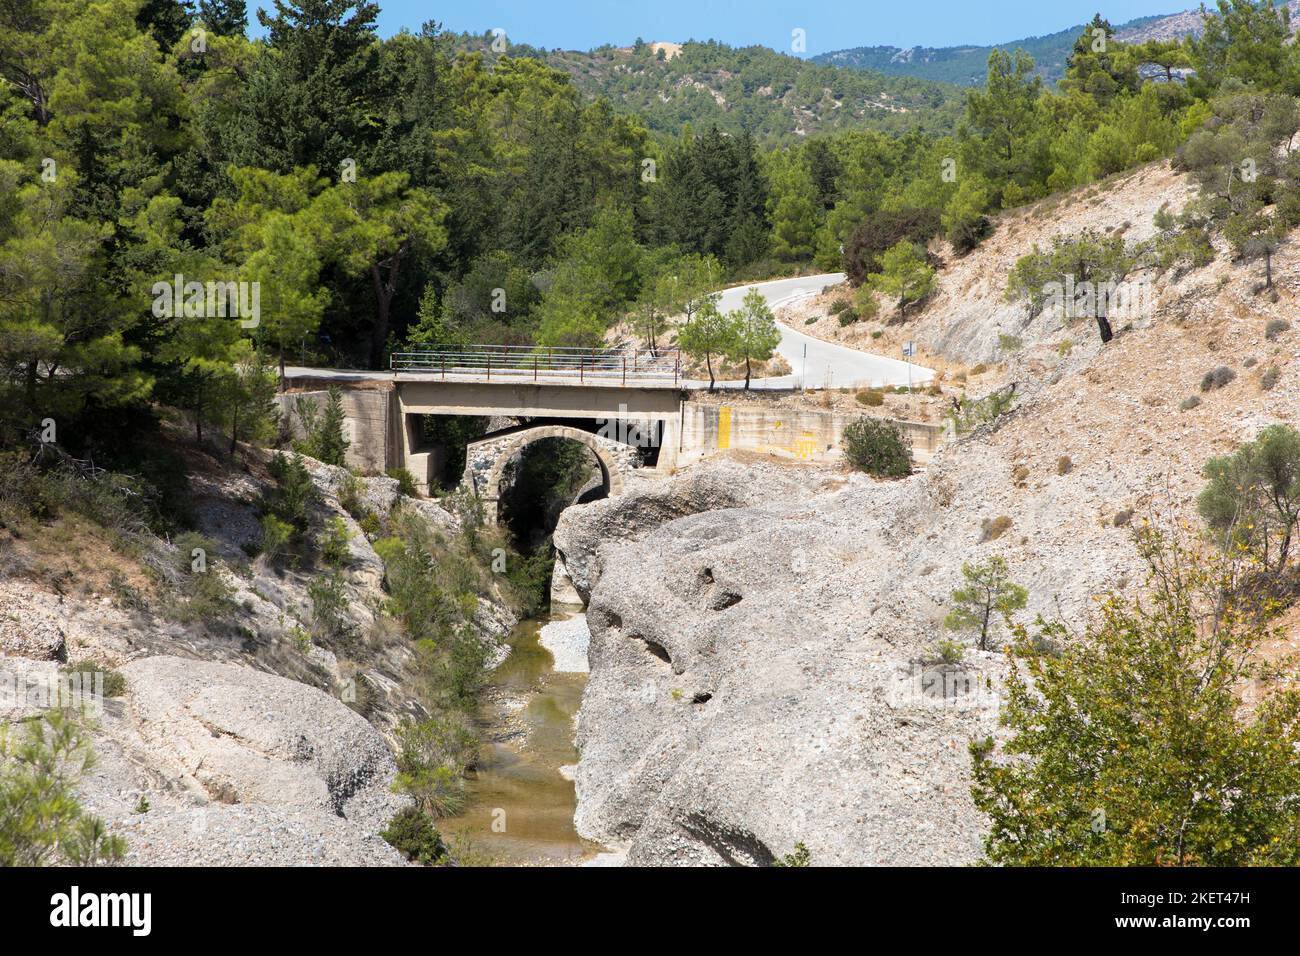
(816,363)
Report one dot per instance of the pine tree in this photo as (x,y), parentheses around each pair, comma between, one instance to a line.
(224,17)
(754,335)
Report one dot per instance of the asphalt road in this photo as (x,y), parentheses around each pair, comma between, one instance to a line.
(814,363)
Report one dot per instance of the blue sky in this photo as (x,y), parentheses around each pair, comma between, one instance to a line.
(828,24)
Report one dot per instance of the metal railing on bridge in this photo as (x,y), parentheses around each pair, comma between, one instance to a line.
(553,365)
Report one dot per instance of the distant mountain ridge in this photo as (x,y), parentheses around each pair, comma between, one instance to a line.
(966,65)
(775,96)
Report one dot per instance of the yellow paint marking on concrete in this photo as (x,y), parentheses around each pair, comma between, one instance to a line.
(724,427)
(806,447)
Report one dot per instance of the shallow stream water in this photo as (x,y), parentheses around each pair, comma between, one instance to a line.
(521,804)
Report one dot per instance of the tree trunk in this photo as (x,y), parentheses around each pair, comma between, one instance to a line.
(31,385)
(1103,326)
(384,289)
(282,367)
(708,360)
(747,373)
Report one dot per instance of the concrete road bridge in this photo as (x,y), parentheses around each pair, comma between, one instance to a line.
(631,407)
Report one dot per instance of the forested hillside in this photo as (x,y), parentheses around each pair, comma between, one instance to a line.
(964,65)
(401,192)
(773,96)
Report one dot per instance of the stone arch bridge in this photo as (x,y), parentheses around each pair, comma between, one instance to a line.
(487,458)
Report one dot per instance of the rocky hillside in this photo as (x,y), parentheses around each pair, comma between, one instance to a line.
(246,729)
(764,655)
(969,321)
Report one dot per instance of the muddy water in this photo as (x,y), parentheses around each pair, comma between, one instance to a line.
(521,805)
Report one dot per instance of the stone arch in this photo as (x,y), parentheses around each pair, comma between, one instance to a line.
(612,465)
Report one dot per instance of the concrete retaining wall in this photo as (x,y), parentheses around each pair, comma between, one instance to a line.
(794,433)
(368,425)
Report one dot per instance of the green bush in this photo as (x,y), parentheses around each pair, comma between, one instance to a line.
(848,317)
(870,397)
(1252,499)
(878,448)
(982,411)
(42,822)
(351,496)
(114,681)
(1274,330)
(329,600)
(1217,378)
(276,537)
(412,833)
(294,493)
(334,548)
(405,481)
(431,760)
(800,857)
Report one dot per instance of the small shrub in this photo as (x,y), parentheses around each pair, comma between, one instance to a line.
(1010,343)
(979,369)
(1065,348)
(838,306)
(411,832)
(1276,328)
(1217,378)
(350,496)
(276,535)
(800,857)
(334,542)
(294,492)
(1187,404)
(974,413)
(848,317)
(370,524)
(1269,378)
(114,682)
(871,397)
(1020,475)
(1123,518)
(877,334)
(328,602)
(877,448)
(950,651)
(405,481)
(431,759)
(811,320)
(992,529)
(1064,465)
(1250,362)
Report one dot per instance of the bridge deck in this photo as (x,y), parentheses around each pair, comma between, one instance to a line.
(639,368)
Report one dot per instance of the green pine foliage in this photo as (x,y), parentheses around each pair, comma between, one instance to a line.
(42,821)
(1127,745)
